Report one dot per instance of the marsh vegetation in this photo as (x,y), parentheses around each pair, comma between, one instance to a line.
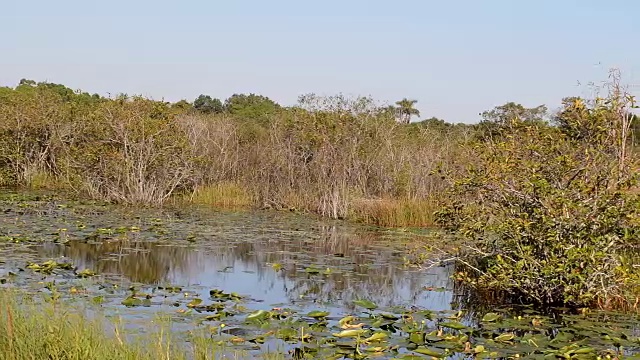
(513,237)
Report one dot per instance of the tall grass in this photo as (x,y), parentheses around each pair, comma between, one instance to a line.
(43,331)
(31,330)
(395,212)
(224,195)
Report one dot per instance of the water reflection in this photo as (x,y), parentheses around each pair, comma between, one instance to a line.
(358,264)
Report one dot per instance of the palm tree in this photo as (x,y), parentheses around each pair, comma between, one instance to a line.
(406,109)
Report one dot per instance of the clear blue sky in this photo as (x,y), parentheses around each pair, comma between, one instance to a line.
(457,58)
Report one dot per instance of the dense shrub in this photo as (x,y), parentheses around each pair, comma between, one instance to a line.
(548,217)
(329,155)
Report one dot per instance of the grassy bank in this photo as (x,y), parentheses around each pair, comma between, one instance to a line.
(387,212)
(38,330)
(35,331)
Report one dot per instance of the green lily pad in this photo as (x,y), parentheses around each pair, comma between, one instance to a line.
(377,337)
(506,337)
(369,305)
(86,273)
(195,302)
(453,325)
(429,352)
(312,270)
(350,333)
(258,315)
(131,302)
(318,314)
(490,317)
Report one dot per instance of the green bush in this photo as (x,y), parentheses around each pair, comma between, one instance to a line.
(547,218)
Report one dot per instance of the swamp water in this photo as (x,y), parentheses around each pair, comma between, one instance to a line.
(267,281)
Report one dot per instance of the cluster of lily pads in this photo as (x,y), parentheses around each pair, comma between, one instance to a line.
(369,332)
(400,333)
(418,333)
(48,267)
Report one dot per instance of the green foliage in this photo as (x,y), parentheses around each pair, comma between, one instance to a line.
(37,331)
(32,328)
(495,121)
(205,104)
(635,130)
(434,122)
(126,150)
(250,106)
(335,156)
(504,114)
(548,218)
(582,122)
(29,118)
(182,105)
(65,94)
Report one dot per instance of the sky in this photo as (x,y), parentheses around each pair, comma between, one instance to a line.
(457,58)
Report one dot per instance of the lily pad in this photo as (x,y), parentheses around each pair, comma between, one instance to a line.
(491,317)
(318,314)
(369,305)
(453,325)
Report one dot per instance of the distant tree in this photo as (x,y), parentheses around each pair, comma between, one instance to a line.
(576,119)
(123,98)
(342,105)
(182,105)
(5,91)
(503,114)
(65,93)
(548,215)
(26,82)
(407,109)
(494,121)
(434,122)
(250,106)
(206,104)
(389,112)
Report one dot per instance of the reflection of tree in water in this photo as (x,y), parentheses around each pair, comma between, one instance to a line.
(365,266)
(142,262)
(362,264)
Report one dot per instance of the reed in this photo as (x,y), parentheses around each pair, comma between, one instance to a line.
(395,212)
(226,195)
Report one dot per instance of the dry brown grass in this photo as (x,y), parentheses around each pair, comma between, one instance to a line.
(225,195)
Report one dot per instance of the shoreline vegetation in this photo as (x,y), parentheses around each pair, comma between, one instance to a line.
(46,331)
(337,157)
(545,204)
(34,327)
(39,327)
